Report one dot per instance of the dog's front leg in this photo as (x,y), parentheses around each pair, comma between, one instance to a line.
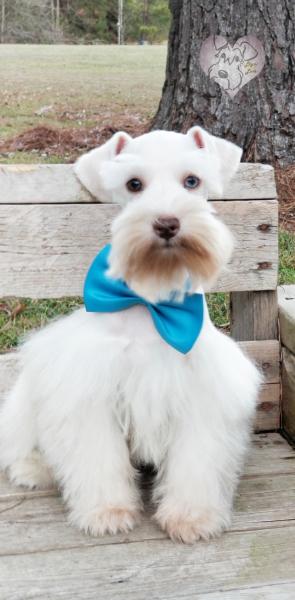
(97,478)
(197,482)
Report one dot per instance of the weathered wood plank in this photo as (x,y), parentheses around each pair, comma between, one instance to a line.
(37,184)
(153,569)
(259,504)
(288,392)
(275,591)
(286,300)
(254,315)
(270,455)
(268,414)
(41,556)
(45,251)
(265,354)
(34,184)
(280,464)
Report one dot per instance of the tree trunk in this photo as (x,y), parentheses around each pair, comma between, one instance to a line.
(260,117)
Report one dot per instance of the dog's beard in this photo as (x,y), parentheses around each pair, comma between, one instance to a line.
(154,268)
(170,264)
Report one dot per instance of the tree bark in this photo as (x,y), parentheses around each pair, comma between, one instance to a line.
(260,118)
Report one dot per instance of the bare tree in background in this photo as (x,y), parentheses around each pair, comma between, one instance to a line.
(57,15)
(260,118)
(3,15)
(30,21)
(82,21)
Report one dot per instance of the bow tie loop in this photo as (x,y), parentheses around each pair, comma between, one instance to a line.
(178,323)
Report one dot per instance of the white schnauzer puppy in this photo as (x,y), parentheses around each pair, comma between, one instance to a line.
(141,375)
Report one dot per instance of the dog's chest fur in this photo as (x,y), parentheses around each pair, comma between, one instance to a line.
(153,380)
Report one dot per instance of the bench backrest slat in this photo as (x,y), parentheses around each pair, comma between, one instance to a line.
(51,228)
(51,184)
(45,250)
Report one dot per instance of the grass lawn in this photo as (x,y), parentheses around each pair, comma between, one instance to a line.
(82,85)
(79,83)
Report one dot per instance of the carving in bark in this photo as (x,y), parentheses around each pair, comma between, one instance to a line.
(261,117)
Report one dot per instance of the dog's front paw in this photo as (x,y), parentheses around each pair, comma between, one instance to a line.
(189,527)
(112,520)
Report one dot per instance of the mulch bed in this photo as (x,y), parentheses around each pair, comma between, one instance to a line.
(71,142)
(285,178)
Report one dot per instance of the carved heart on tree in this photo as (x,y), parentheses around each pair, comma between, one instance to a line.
(232,66)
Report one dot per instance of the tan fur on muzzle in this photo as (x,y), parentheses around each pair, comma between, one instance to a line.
(152,259)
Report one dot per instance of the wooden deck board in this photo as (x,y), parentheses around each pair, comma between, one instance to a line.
(152,569)
(42,557)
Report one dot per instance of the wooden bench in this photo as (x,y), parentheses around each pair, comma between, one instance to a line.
(51,228)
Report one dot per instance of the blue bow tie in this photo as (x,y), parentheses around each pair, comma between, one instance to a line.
(179,323)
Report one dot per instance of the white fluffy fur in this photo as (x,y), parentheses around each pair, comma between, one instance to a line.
(99,392)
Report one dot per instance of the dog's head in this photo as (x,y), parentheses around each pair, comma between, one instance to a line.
(167,232)
(228,69)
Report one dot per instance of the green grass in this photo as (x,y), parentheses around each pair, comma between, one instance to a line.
(30,158)
(287,258)
(17,316)
(218,305)
(81,83)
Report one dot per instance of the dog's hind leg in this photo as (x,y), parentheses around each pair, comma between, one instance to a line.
(18,439)
(31,472)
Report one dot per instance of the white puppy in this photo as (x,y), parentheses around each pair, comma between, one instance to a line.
(99,392)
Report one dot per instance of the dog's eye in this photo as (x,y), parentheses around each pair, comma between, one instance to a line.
(237,59)
(191,182)
(134,185)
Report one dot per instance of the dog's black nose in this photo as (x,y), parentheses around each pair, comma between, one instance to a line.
(166,227)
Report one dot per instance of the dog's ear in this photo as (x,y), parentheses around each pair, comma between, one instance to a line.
(227,155)
(248,51)
(87,167)
(219,42)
